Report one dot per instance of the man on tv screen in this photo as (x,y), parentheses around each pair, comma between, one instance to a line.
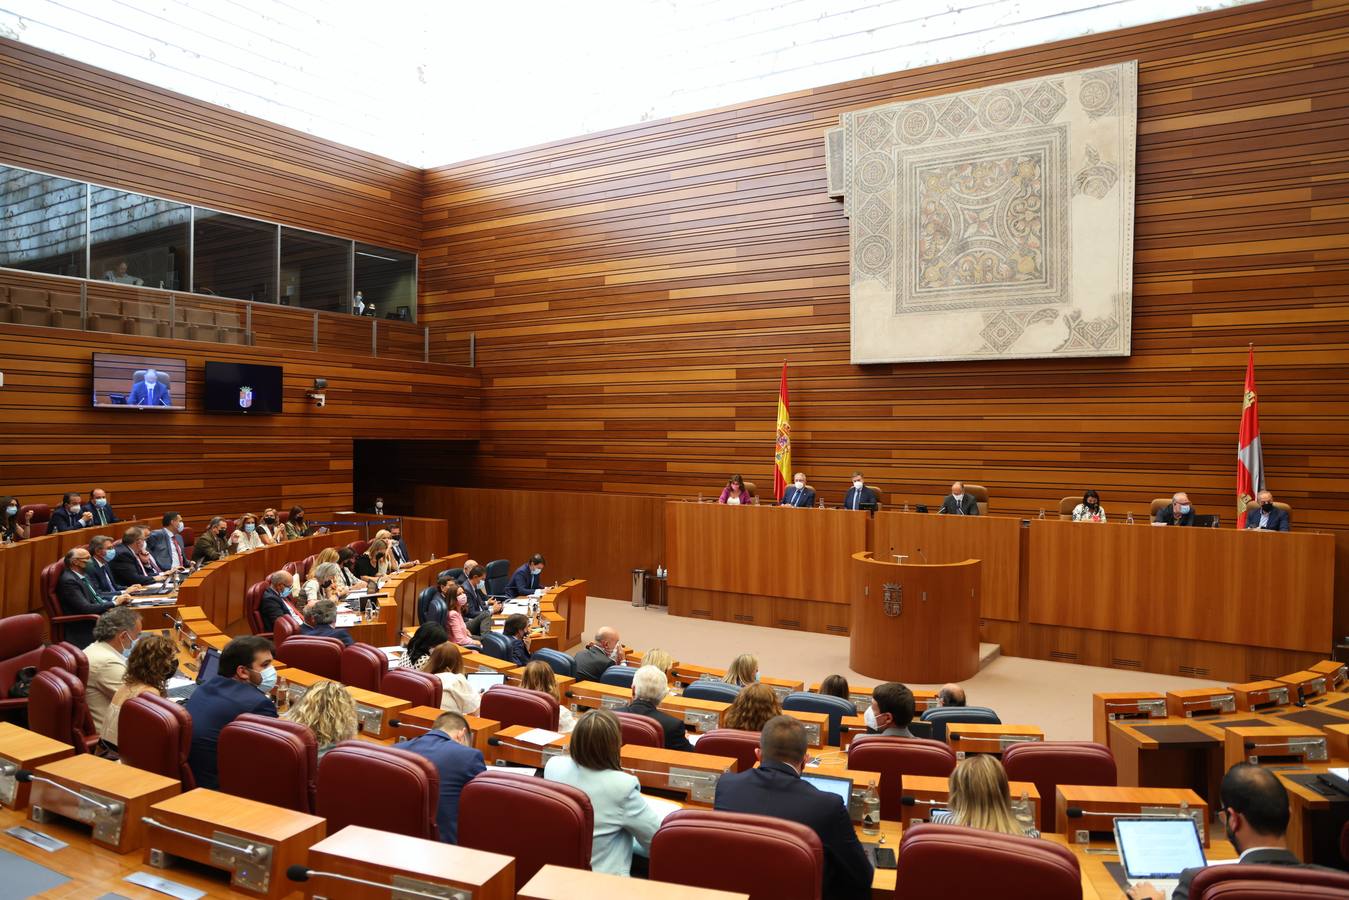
(149,392)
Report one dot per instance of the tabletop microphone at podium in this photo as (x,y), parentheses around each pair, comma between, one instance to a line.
(906,800)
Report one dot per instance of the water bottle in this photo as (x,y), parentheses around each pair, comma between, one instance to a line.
(1022,810)
(1129,519)
(871,810)
(1042,513)
(821,503)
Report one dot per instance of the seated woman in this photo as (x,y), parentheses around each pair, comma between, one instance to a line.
(659,658)
(835,686)
(1090,509)
(245,536)
(387,537)
(456,694)
(373,563)
(310,589)
(622,816)
(346,561)
(735,493)
(271,530)
(327,710)
(425,639)
(980,798)
(454,621)
(744,670)
(539,677)
(12,528)
(750,711)
(153,661)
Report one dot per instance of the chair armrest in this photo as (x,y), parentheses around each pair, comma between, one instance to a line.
(82,617)
(13,703)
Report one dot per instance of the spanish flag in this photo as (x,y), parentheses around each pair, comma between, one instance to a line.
(1250,459)
(782,448)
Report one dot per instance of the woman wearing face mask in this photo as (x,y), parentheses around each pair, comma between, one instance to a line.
(454,620)
(12,528)
(245,536)
(153,661)
(735,493)
(1090,509)
(270,530)
(296,526)
(374,563)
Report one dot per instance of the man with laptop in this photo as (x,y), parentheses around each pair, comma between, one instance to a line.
(1254,813)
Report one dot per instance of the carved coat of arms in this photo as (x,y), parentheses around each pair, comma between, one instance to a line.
(892,599)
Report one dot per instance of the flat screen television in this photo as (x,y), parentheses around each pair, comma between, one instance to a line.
(242,388)
(123,381)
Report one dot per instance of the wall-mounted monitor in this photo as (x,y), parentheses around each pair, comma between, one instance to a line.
(124,380)
(242,388)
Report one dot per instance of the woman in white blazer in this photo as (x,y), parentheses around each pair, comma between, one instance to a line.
(622,815)
(245,536)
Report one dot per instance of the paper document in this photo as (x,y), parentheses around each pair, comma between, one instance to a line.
(540,737)
(348,620)
(693,737)
(178,681)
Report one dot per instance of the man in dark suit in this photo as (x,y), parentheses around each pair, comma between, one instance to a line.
(446,745)
(859,496)
(99,573)
(604,651)
(127,566)
(396,545)
(649,688)
(775,789)
(1255,814)
(275,603)
(1267,517)
(480,607)
(166,545)
(69,516)
(527,578)
(797,494)
(150,392)
(320,619)
(245,679)
(1180,512)
(101,508)
(213,543)
(959,503)
(433,604)
(76,597)
(516,630)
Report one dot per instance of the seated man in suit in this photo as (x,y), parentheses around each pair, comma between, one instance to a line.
(891,710)
(951,695)
(428,609)
(1180,512)
(480,608)
(319,621)
(99,573)
(115,633)
(69,516)
(649,688)
(1267,517)
(213,543)
(448,746)
(775,788)
(150,392)
(860,496)
(100,508)
(604,651)
(797,494)
(527,579)
(1255,814)
(132,564)
(75,596)
(396,545)
(516,630)
(243,684)
(959,503)
(276,603)
(166,545)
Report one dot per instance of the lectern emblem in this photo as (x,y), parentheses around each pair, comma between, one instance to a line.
(245,396)
(892,598)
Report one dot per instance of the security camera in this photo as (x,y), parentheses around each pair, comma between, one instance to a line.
(320,400)
(320,383)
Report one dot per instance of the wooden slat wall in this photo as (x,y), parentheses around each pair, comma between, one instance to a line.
(635,292)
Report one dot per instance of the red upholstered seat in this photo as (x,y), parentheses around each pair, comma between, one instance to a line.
(252,602)
(1052,763)
(321,656)
(492,806)
(407,785)
(155,734)
(20,647)
(359,547)
(417,688)
(284,628)
(954,861)
(1257,882)
(307,565)
(895,757)
(51,574)
(731,742)
(764,857)
(363,666)
(42,514)
(269,760)
(293,568)
(643,731)
(65,656)
(516,706)
(57,708)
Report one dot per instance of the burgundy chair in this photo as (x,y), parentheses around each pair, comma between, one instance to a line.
(764,857)
(643,731)
(1052,763)
(417,688)
(20,647)
(269,760)
(252,602)
(42,514)
(359,546)
(1344,842)
(364,666)
(1257,882)
(51,574)
(321,656)
(308,565)
(492,806)
(516,706)
(954,861)
(293,568)
(155,734)
(65,656)
(285,627)
(283,516)
(731,742)
(895,757)
(407,785)
(189,537)
(57,708)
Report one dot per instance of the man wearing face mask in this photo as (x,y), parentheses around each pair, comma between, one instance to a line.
(1267,516)
(132,564)
(396,545)
(166,545)
(245,681)
(1180,512)
(102,513)
(860,496)
(76,596)
(150,392)
(276,602)
(891,710)
(527,579)
(480,608)
(213,543)
(115,633)
(99,573)
(70,515)
(958,503)
(604,651)
(798,495)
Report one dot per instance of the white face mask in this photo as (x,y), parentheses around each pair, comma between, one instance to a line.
(870,718)
(800,485)
(858,484)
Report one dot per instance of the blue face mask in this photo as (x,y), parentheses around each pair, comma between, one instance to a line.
(285,592)
(11,510)
(100,501)
(250,528)
(535,571)
(268,680)
(126,654)
(1185,508)
(109,554)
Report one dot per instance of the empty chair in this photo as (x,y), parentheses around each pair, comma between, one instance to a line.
(559,662)
(42,514)
(496,574)
(1052,763)
(496,645)
(707,689)
(20,647)
(364,666)
(307,565)
(417,688)
(834,707)
(619,676)
(29,306)
(197,325)
(231,332)
(252,602)
(359,547)
(65,656)
(407,785)
(155,734)
(941,716)
(285,627)
(57,709)
(321,656)
(146,319)
(269,760)
(731,742)
(65,310)
(105,314)
(431,606)
(953,861)
(78,628)
(1254,881)
(765,857)
(643,731)
(492,806)
(895,757)
(516,706)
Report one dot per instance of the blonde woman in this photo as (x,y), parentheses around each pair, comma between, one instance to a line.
(374,562)
(744,670)
(539,677)
(327,710)
(660,659)
(751,710)
(271,530)
(246,535)
(980,798)
(456,694)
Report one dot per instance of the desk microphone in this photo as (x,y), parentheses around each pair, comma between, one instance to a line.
(177,623)
(495,742)
(915,801)
(923,555)
(27,777)
(1077,812)
(301,873)
(395,723)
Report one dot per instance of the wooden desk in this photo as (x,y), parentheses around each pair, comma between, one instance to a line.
(1097,880)
(938,789)
(558,883)
(991,739)
(508,748)
(1167,757)
(1109,707)
(1272,745)
(697,715)
(22,562)
(1134,800)
(1315,818)
(24,749)
(425,716)
(677,770)
(133,790)
(407,862)
(569,602)
(597,695)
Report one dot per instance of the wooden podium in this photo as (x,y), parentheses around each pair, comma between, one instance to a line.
(915,623)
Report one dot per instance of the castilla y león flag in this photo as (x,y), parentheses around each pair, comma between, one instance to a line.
(1250,462)
(782,449)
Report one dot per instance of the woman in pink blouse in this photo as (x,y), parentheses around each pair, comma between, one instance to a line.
(454,623)
(735,493)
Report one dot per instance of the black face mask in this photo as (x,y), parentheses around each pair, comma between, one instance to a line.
(1091,503)
(270,520)
(1267,507)
(378,557)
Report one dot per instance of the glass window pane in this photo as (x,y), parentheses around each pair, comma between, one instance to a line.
(314,270)
(137,239)
(234,257)
(42,222)
(388,279)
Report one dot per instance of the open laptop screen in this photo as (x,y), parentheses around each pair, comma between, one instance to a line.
(481,681)
(210,665)
(839,787)
(1158,847)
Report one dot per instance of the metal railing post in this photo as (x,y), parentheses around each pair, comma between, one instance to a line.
(173,317)
(472,348)
(84,306)
(426,344)
(316,331)
(374,336)
(248,323)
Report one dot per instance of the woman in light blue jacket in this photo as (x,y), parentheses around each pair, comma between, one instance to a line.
(622,815)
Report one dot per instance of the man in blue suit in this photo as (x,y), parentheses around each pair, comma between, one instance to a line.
(319,621)
(1267,517)
(150,392)
(100,508)
(798,494)
(70,515)
(446,746)
(99,573)
(775,789)
(245,679)
(165,544)
(860,496)
(527,578)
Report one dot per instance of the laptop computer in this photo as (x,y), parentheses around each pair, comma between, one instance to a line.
(1157,849)
(831,784)
(481,681)
(210,666)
